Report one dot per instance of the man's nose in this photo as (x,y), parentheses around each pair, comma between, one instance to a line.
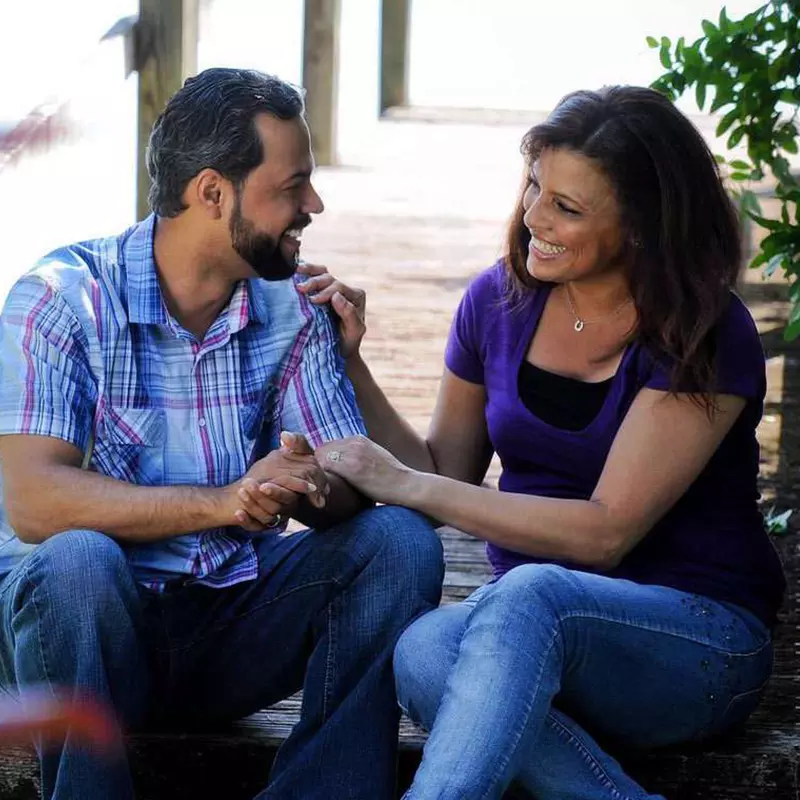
(313,204)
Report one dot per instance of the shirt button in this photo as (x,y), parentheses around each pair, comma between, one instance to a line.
(201,422)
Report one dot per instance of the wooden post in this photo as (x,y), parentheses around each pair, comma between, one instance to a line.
(166,54)
(321,75)
(395,25)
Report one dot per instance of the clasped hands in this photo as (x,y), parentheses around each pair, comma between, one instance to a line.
(273,486)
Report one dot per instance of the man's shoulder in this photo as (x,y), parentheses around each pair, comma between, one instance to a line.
(281,304)
(77,269)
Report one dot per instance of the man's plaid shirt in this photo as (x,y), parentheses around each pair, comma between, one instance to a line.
(90,353)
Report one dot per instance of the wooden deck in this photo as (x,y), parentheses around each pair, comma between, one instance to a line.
(412,231)
(760,763)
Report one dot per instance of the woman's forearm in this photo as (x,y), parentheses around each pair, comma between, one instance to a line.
(384,425)
(578,531)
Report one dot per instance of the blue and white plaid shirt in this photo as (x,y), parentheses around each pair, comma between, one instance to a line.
(89,352)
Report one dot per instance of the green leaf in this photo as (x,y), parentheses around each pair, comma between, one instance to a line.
(778,524)
(728,120)
(709,29)
(736,137)
(652,41)
(792,330)
(700,94)
(737,163)
(723,20)
(772,266)
(794,314)
(765,222)
(749,202)
(665,57)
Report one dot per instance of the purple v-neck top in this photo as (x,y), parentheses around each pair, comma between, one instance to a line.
(712,542)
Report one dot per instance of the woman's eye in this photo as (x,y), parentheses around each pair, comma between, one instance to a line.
(566,209)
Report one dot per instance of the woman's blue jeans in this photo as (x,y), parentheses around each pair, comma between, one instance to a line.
(510,682)
(324,615)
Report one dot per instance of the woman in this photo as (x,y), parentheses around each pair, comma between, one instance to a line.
(607,362)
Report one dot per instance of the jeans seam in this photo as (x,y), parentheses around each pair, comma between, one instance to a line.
(329,660)
(251,611)
(597,768)
(654,629)
(528,705)
(39,640)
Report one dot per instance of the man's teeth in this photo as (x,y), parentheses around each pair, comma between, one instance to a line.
(546,247)
(295,233)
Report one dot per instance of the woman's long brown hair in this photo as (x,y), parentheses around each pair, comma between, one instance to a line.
(683,246)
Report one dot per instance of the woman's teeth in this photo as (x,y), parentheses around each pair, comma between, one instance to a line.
(546,247)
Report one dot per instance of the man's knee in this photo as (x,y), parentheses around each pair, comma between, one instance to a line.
(78,567)
(407,540)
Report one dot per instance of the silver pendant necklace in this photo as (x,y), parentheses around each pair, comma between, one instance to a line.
(580,322)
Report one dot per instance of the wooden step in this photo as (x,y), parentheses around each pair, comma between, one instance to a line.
(761,762)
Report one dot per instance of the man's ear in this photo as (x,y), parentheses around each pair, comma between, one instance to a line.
(208,189)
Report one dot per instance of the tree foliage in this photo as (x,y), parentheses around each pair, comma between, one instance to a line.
(748,70)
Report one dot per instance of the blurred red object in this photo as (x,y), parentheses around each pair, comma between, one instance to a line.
(50,717)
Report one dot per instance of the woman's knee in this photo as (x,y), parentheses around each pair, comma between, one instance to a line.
(543,589)
(423,659)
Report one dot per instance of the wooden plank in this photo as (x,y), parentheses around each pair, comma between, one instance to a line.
(166,54)
(395,29)
(321,75)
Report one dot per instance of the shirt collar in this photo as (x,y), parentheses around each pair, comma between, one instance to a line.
(257,300)
(145,301)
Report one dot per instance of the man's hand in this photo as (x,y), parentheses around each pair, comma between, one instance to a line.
(273,486)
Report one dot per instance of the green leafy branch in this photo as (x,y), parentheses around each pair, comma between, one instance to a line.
(749,70)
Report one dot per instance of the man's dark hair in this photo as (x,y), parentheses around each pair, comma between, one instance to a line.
(210,124)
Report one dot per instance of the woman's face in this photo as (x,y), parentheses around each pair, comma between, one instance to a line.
(573,217)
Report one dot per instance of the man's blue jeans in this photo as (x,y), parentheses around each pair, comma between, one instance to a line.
(510,681)
(324,616)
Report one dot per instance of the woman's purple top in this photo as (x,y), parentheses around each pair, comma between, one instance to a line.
(712,542)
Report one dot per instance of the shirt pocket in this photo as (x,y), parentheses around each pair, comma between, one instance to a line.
(130,444)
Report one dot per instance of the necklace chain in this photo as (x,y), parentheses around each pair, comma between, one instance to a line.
(581,322)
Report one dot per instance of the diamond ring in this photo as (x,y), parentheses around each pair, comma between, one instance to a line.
(334,455)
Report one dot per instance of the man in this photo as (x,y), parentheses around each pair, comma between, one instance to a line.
(169,359)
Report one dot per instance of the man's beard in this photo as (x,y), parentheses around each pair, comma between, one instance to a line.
(260,250)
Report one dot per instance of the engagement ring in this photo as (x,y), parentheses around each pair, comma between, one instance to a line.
(334,455)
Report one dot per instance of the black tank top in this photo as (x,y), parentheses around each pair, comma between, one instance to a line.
(566,403)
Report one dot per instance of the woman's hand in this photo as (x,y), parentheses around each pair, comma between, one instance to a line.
(349,304)
(372,470)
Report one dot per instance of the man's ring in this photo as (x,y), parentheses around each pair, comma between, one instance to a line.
(334,455)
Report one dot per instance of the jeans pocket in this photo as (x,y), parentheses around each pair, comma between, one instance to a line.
(739,708)
(732,714)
